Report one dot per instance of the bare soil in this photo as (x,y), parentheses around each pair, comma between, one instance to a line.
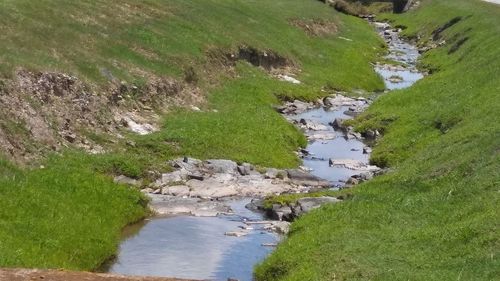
(54,275)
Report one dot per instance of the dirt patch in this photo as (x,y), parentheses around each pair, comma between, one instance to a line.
(315,27)
(268,59)
(48,275)
(47,111)
(348,7)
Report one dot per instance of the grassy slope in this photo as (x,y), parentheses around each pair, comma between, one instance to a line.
(69,215)
(436,216)
(64,216)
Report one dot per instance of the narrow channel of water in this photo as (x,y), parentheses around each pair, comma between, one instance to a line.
(197,248)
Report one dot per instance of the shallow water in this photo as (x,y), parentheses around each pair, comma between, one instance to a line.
(192,247)
(197,248)
(339,148)
(405,54)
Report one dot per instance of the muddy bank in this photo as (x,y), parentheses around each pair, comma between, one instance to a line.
(54,275)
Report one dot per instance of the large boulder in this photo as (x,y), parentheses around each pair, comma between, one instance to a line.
(300,177)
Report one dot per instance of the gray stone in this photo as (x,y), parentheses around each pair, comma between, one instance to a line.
(281,213)
(221,166)
(165,205)
(255,205)
(303,178)
(177,190)
(128,181)
(271,173)
(245,169)
(308,204)
(337,123)
(367,150)
(352,181)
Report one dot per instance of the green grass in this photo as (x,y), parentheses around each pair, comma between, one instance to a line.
(140,39)
(436,216)
(292,198)
(69,214)
(62,216)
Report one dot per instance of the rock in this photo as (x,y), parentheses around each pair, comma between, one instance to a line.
(195,177)
(177,190)
(303,178)
(221,166)
(220,186)
(271,173)
(70,137)
(287,78)
(313,126)
(188,164)
(138,128)
(300,106)
(172,178)
(165,205)
(282,227)
(195,108)
(126,180)
(337,124)
(255,205)
(395,79)
(371,134)
(280,213)
(257,186)
(308,204)
(147,190)
(340,100)
(366,176)
(322,136)
(367,150)
(245,169)
(352,181)
(236,233)
(352,164)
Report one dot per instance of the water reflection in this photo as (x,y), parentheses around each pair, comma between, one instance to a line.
(190,247)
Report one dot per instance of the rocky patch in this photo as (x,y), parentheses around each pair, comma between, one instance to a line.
(199,187)
(49,111)
(290,212)
(316,27)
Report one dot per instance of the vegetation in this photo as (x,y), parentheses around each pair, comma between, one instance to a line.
(69,214)
(292,198)
(62,216)
(436,215)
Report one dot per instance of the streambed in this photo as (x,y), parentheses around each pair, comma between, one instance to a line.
(198,247)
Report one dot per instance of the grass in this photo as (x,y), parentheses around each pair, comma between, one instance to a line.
(292,198)
(436,216)
(69,214)
(62,216)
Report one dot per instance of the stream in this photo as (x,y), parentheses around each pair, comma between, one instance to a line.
(198,247)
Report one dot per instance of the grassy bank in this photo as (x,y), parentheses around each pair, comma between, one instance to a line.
(436,215)
(62,216)
(68,215)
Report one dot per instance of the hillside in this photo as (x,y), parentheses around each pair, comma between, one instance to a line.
(436,215)
(199,76)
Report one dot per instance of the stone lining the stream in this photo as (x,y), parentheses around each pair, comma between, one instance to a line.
(199,188)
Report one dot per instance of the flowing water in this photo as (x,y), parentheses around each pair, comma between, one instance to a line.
(193,247)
